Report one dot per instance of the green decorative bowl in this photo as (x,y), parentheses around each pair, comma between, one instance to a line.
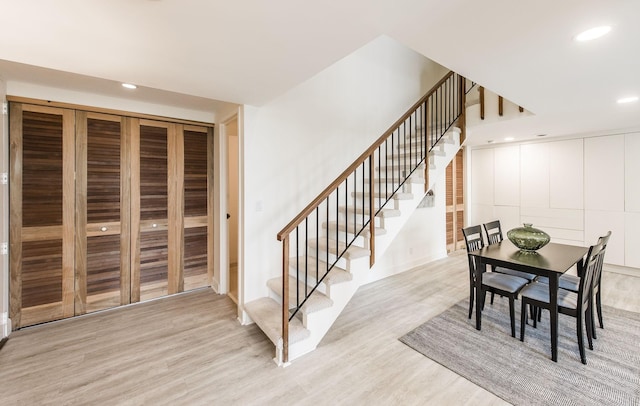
(528,238)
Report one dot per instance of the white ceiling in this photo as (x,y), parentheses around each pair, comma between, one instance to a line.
(197,53)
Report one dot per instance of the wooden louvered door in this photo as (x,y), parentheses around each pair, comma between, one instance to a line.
(198,224)
(41,214)
(106,210)
(102,212)
(455,202)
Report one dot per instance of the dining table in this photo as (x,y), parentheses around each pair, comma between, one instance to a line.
(550,261)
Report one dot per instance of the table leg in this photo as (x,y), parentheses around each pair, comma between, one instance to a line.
(478,279)
(553,300)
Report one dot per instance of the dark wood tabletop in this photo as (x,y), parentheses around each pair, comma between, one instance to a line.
(552,258)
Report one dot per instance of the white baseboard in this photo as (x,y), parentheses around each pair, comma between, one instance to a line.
(5,325)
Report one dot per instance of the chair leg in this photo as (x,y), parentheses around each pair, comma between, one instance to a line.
(492,296)
(536,316)
(592,318)
(471,296)
(583,358)
(512,314)
(589,321)
(599,307)
(523,319)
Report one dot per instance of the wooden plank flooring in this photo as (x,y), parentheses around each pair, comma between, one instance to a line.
(190,350)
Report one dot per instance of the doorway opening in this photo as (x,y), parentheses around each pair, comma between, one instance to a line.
(232,203)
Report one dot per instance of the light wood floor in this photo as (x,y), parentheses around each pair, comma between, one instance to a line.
(190,350)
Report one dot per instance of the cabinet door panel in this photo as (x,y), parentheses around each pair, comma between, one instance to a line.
(150,271)
(196,207)
(41,218)
(102,264)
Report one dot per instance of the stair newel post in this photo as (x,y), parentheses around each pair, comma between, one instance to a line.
(462,103)
(285,299)
(372,214)
(428,106)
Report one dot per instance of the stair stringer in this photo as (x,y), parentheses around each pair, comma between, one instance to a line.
(316,324)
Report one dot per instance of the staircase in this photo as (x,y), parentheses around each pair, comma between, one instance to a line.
(329,249)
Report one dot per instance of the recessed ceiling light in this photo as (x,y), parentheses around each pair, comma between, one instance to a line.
(593,33)
(630,99)
(509,139)
(129,86)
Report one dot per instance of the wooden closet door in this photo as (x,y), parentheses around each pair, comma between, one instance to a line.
(41,214)
(198,153)
(153,201)
(102,212)
(455,202)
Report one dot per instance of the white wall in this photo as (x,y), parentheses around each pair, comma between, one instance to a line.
(422,239)
(576,188)
(299,143)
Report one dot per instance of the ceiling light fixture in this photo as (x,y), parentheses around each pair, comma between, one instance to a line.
(509,139)
(630,99)
(593,33)
(129,86)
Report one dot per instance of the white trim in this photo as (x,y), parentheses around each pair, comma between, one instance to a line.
(5,325)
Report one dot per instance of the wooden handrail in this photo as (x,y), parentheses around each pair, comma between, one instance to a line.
(431,117)
(366,154)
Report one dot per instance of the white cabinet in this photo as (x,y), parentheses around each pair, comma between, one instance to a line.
(482,176)
(566,174)
(604,173)
(534,171)
(632,173)
(507,176)
(631,240)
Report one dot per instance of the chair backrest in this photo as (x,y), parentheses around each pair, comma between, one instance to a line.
(597,275)
(494,232)
(473,238)
(594,257)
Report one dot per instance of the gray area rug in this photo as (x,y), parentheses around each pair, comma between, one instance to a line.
(522,373)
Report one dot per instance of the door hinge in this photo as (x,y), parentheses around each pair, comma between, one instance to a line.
(5,108)
(4,248)
(4,178)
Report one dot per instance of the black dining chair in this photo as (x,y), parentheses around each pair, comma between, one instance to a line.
(494,282)
(575,304)
(572,282)
(493,229)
